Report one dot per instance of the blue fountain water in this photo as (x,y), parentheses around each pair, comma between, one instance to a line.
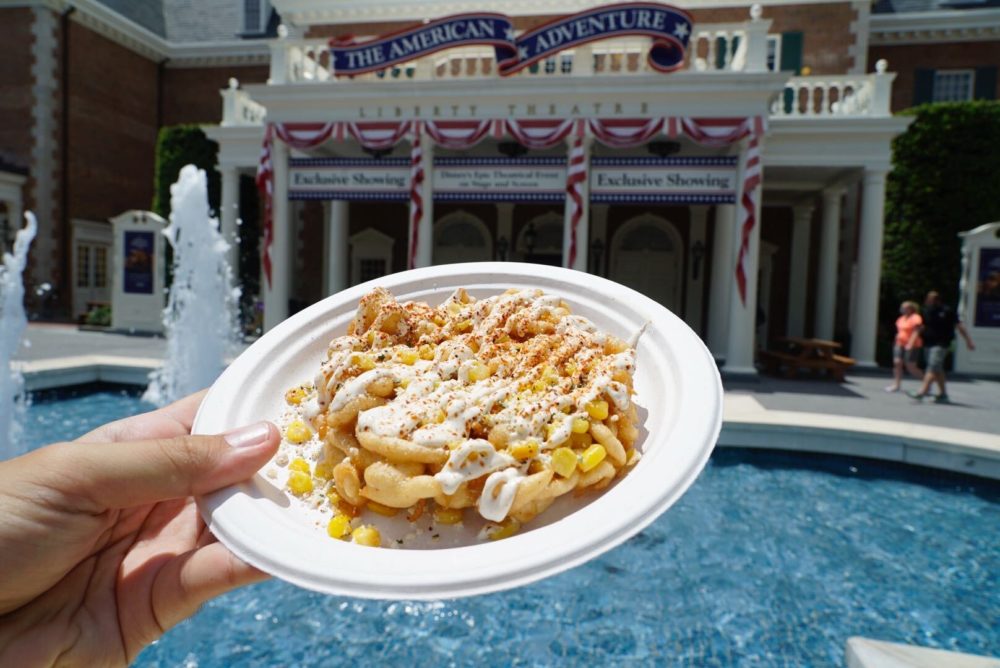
(769,559)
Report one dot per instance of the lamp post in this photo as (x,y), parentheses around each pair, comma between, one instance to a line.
(596,253)
(502,246)
(529,240)
(697,255)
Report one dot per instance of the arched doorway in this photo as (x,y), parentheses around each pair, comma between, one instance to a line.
(647,255)
(461,237)
(540,241)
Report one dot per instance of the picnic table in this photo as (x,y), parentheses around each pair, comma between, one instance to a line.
(795,354)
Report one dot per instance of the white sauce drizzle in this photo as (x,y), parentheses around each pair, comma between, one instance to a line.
(469,461)
(498,494)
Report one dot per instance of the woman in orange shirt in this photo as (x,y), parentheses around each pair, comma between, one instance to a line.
(907,345)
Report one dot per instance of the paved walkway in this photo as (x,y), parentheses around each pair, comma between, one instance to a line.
(975,403)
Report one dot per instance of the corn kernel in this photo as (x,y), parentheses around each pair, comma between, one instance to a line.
(438,320)
(363,361)
(426,352)
(440,416)
(404,383)
(367,535)
(478,371)
(597,409)
(564,461)
(505,529)
(299,483)
(295,396)
(581,440)
(298,432)
(380,509)
(323,471)
(463,326)
(339,526)
(454,308)
(524,450)
(299,464)
(448,515)
(549,376)
(580,426)
(592,456)
(571,368)
(333,497)
(408,356)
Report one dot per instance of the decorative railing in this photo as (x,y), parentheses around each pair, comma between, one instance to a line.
(712,47)
(238,108)
(836,95)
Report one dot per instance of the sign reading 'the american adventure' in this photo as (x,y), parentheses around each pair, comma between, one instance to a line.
(704,180)
(669,27)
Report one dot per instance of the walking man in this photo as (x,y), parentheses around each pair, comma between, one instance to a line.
(938,331)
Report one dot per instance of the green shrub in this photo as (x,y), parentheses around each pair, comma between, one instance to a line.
(99,316)
(179,145)
(945,180)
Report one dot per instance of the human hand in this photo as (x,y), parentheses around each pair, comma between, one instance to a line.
(102,548)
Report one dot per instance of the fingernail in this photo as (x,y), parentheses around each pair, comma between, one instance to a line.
(251,435)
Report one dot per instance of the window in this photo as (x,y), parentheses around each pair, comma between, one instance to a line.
(773,52)
(372,269)
(255,16)
(953,85)
(100,267)
(83,266)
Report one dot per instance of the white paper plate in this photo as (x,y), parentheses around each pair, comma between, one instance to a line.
(678,393)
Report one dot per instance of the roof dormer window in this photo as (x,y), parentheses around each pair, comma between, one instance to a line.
(255,16)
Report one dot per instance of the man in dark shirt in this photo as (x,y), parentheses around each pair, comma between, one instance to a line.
(938,331)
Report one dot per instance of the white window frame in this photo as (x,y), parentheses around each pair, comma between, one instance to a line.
(970,93)
(776,40)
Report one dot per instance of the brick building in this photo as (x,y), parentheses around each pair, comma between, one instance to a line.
(85,86)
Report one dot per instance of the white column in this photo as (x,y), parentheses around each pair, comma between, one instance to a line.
(425,243)
(335,258)
(798,274)
(869,267)
(826,278)
(229,211)
(695,292)
(276,294)
(743,314)
(723,264)
(583,229)
(505,226)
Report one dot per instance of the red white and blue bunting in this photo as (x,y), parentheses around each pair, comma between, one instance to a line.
(534,133)
(669,27)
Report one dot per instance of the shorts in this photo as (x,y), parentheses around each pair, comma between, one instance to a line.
(935,358)
(901,353)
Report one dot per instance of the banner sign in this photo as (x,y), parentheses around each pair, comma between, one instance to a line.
(695,180)
(500,179)
(988,288)
(138,265)
(669,27)
(356,179)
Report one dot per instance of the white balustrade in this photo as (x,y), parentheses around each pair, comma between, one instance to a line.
(238,108)
(836,95)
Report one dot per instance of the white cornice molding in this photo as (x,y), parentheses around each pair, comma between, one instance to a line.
(211,54)
(973,25)
(323,12)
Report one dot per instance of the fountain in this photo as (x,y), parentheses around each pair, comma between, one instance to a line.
(13,322)
(200,318)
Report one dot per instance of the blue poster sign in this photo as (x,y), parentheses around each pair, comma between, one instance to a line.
(669,27)
(988,288)
(138,263)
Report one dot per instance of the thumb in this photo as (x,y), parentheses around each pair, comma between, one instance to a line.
(121,475)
